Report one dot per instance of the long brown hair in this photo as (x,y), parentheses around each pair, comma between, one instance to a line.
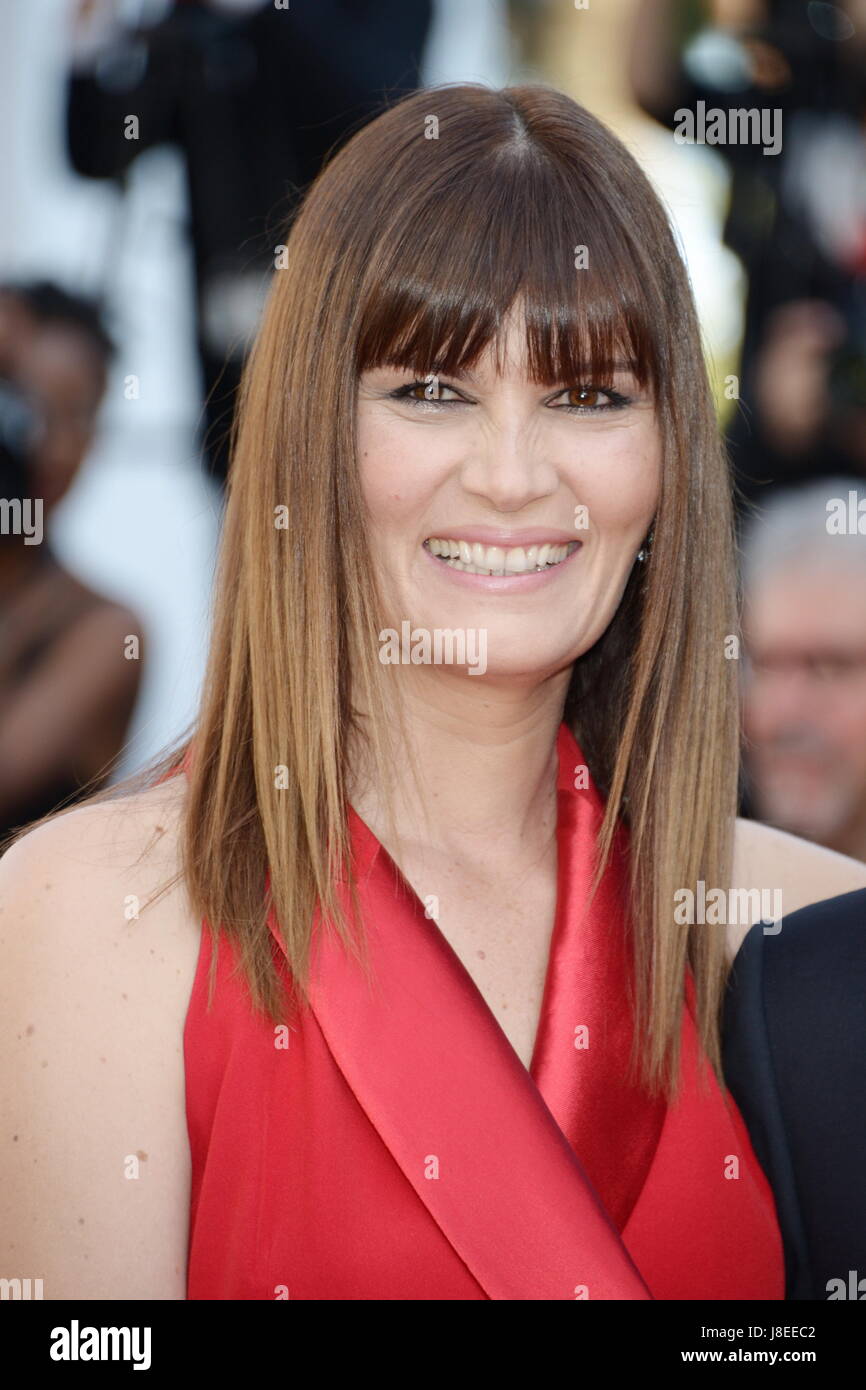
(409,249)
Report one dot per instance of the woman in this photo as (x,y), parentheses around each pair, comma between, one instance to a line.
(469,725)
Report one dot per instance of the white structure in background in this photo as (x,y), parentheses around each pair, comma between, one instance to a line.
(469,43)
(693,182)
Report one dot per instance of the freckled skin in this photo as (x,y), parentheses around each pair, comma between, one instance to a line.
(107,1077)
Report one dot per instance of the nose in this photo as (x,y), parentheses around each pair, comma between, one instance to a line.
(508,466)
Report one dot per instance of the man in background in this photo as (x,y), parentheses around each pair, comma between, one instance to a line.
(804,625)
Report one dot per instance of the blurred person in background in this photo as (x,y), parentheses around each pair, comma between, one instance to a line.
(804,625)
(254,96)
(796,220)
(67,686)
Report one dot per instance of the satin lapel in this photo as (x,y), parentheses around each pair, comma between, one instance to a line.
(584,1037)
(459,1113)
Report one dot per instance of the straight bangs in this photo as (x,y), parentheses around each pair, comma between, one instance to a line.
(514,227)
(509,228)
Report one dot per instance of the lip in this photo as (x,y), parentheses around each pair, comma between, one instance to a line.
(501,583)
(509,540)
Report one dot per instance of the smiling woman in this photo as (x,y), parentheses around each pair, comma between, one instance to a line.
(510,450)
(442,1036)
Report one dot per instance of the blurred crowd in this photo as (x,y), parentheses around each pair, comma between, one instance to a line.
(254,95)
(797,436)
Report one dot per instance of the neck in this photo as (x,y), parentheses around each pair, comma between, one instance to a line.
(487,768)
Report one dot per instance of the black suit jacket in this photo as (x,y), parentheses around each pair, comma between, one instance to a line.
(794,1052)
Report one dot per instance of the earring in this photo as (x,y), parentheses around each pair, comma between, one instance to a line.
(644,551)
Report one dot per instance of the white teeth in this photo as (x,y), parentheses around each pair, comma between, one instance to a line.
(495,559)
(476,558)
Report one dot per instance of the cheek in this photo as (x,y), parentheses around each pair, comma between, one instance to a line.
(620,486)
(386,495)
(379,468)
(395,483)
(850,718)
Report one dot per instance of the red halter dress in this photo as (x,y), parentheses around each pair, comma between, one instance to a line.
(394,1146)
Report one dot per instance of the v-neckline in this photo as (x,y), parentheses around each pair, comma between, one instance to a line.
(436,1076)
(586,1089)
(372,850)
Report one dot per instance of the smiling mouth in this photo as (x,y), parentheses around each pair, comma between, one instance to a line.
(497,560)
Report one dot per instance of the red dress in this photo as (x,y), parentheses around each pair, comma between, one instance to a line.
(397,1148)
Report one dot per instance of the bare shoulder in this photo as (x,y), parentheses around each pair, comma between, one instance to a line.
(91,871)
(95,977)
(797,870)
(805,872)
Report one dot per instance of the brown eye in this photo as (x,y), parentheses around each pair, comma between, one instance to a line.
(593,400)
(424,390)
(588,396)
(427,391)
